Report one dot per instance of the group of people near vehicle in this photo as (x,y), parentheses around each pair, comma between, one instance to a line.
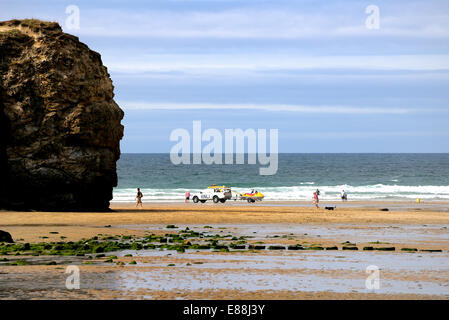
(316,199)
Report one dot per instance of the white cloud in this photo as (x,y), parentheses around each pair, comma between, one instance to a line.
(320,109)
(364,134)
(282,22)
(245,19)
(231,64)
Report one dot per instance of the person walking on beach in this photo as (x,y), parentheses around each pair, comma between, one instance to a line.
(139,197)
(187,196)
(316,200)
(343,196)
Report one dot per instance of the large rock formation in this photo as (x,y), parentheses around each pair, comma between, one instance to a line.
(60,127)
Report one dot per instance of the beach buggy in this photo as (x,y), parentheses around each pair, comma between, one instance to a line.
(252,196)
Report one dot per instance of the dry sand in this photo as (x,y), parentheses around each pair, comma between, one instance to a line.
(76,225)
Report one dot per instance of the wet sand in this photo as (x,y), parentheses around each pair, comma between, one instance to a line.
(243,274)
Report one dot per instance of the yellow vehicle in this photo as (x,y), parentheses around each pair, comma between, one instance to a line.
(252,196)
(219,188)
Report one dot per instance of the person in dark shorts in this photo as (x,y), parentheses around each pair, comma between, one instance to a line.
(139,197)
(187,196)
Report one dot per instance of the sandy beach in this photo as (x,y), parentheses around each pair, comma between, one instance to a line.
(76,225)
(238,274)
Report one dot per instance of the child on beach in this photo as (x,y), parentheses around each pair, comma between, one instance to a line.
(187,196)
(139,197)
(316,200)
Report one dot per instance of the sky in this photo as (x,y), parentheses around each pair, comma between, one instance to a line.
(311,69)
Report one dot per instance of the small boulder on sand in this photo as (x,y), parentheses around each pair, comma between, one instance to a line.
(5,237)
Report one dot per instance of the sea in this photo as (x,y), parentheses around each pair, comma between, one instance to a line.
(365,176)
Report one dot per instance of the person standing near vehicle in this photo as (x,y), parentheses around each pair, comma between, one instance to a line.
(139,197)
(187,196)
(316,200)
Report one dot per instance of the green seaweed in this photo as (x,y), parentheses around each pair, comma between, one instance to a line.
(180,249)
(276,248)
(295,247)
(19,263)
(350,248)
(257,247)
(347,243)
(98,249)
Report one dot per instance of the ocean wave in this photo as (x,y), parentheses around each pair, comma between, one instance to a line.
(303,192)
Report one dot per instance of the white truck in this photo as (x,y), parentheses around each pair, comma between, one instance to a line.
(214,193)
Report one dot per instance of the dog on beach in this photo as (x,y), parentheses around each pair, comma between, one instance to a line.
(330,208)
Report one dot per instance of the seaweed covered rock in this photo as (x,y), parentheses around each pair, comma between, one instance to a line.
(59,124)
(5,237)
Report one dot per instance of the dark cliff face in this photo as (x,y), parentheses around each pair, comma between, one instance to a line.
(60,127)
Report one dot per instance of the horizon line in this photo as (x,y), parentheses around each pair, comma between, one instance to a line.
(305,153)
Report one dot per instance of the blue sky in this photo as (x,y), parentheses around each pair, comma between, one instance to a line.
(308,68)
